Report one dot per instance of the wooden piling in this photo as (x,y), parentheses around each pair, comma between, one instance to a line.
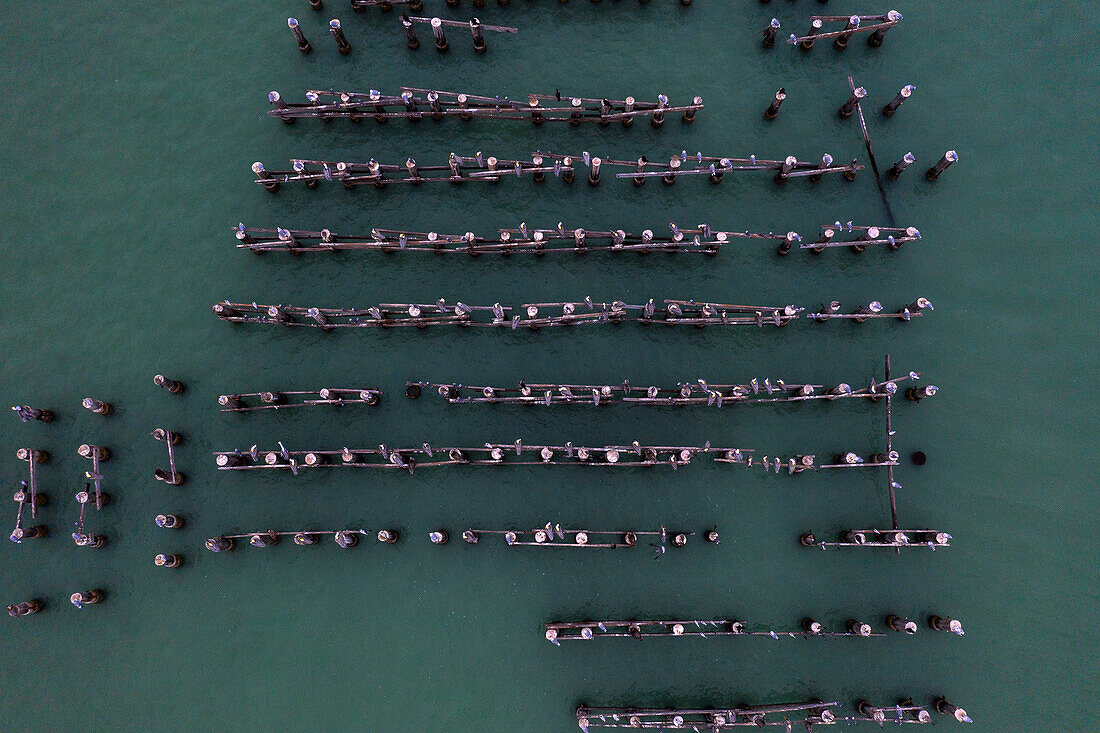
(299,36)
(948,158)
(337,32)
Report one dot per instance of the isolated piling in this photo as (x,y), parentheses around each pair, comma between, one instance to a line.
(299,37)
(892,106)
(26,608)
(27,413)
(167,560)
(594,172)
(769,33)
(896,170)
(96,406)
(337,32)
(86,597)
(172,385)
(168,521)
(773,109)
(944,163)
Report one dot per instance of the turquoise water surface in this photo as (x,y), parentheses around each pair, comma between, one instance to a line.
(129,129)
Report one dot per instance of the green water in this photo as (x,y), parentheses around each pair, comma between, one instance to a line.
(128,133)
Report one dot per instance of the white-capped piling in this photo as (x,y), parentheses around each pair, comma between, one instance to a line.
(769,33)
(337,32)
(841,41)
(943,164)
(27,413)
(299,36)
(172,385)
(97,406)
(898,168)
(773,109)
(892,106)
(849,107)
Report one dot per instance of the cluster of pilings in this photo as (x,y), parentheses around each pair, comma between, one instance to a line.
(809,628)
(171,439)
(171,476)
(274,400)
(699,392)
(553,535)
(488,454)
(386,5)
(546,315)
(518,453)
(344,538)
(895,538)
(859,238)
(28,497)
(438,27)
(809,714)
(701,239)
(92,495)
(413,104)
(439,34)
(841,28)
(478,167)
